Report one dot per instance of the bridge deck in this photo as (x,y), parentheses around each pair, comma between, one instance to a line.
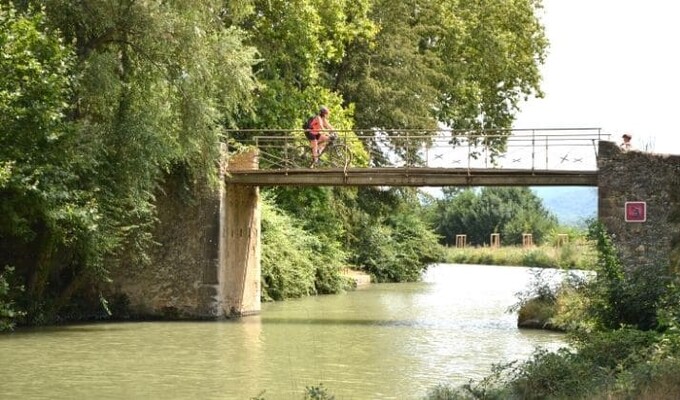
(411,177)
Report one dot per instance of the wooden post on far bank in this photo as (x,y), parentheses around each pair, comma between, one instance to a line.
(496,240)
(461,241)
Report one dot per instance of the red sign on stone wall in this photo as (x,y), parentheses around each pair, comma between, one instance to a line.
(636,211)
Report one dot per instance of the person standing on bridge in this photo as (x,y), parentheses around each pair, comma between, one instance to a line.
(626,145)
(317,138)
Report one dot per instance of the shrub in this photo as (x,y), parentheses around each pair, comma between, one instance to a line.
(8,312)
(538,258)
(445,392)
(296,263)
(619,297)
(317,393)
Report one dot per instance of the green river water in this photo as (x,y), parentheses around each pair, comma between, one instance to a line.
(386,341)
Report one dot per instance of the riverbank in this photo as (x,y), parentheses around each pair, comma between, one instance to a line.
(570,256)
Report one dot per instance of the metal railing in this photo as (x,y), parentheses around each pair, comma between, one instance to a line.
(521,149)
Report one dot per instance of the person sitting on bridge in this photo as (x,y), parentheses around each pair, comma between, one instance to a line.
(626,145)
(317,138)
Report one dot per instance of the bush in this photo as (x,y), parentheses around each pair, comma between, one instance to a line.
(317,393)
(397,250)
(445,392)
(624,327)
(538,258)
(296,263)
(8,312)
(624,298)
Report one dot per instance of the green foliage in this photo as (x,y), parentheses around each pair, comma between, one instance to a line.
(550,375)
(624,337)
(460,63)
(444,392)
(538,304)
(97,102)
(5,173)
(596,365)
(624,298)
(317,208)
(537,258)
(611,298)
(296,41)
(575,255)
(618,348)
(311,393)
(621,364)
(382,231)
(8,312)
(393,65)
(295,262)
(317,393)
(477,214)
(389,239)
(49,222)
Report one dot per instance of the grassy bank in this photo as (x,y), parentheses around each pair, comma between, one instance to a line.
(569,256)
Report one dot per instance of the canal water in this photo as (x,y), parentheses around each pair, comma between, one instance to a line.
(385,341)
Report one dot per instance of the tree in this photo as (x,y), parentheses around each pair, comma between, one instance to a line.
(143,92)
(296,261)
(461,63)
(509,211)
(492,53)
(296,40)
(388,236)
(43,210)
(454,214)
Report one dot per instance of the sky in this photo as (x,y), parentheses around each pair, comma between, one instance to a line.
(611,64)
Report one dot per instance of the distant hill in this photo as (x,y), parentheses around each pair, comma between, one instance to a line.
(571,205)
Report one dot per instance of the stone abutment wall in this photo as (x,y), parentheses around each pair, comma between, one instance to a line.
(181,279)
(207,264)
(637,177)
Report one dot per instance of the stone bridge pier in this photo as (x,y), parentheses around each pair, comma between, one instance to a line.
(239,261)
(207,264)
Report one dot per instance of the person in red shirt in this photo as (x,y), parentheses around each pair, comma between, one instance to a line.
(318,139)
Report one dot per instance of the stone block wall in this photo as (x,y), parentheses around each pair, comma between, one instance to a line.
(636,176)
(207,263)
(181,280)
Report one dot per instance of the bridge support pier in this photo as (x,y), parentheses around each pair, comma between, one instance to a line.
(239,265)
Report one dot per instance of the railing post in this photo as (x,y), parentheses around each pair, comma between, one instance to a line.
(468,155)
(546,152)
(533,149)
(408,151)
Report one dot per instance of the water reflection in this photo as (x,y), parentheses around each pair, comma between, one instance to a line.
(390,341)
